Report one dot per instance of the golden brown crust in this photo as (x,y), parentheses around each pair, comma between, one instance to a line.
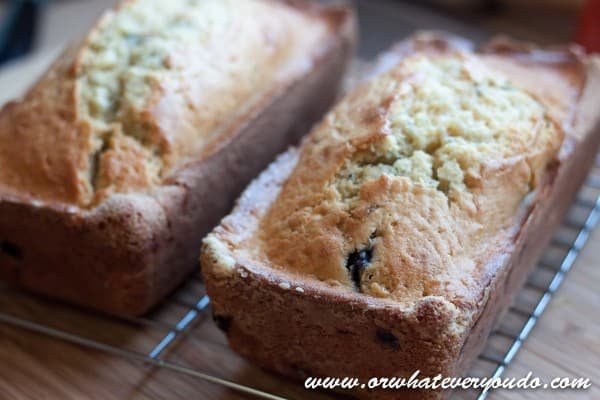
(109,91)
(422,172)
(337,332)
(125,254)
(45,119)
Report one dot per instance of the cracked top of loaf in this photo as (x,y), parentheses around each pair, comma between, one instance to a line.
(413,181)
(154,85)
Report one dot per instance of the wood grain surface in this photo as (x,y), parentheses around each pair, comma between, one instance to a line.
(566,341)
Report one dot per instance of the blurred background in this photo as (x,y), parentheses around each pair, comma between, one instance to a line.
(27,26)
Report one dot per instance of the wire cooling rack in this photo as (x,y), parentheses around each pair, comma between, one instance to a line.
(506,339)
(185,315)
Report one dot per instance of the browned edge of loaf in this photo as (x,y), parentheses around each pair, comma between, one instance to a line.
(125,255)
(324,331)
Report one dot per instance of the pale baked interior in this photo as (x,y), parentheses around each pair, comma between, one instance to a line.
(412,182)
(389,243)
(155,85)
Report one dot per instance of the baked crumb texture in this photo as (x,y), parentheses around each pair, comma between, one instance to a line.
(407,187)
(154,85)
(394,236)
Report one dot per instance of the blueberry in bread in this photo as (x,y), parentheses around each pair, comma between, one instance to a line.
(138,139)
(390,240)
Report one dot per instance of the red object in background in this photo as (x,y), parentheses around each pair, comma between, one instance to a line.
(588,31)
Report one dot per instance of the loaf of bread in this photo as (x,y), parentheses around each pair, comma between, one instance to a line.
(138,140)
(391,239)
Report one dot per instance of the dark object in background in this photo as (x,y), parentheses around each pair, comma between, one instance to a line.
(382,22)
(17,28)
(588,29)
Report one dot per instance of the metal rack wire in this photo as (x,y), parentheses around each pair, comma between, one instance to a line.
(186,311)
(507,338)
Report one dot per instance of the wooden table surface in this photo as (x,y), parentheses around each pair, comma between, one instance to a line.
(566,341)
